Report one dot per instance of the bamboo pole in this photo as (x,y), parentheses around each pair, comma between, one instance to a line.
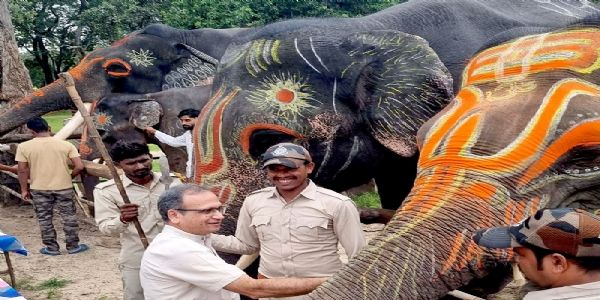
(70,85)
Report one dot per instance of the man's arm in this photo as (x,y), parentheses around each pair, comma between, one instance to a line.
(77,166)
(23,172)
(277,287)
(247,244)
(178,141)
(107,214)
(346,225)
(11,169)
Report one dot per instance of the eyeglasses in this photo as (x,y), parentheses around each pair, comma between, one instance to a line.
(208,211)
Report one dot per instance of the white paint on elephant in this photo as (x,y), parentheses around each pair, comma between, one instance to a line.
(333,97)
(316,55)
(567,7)
(72,125)
(325,158)
(504,61)
(355,146)
(304,58)
(142,58)
(266,52)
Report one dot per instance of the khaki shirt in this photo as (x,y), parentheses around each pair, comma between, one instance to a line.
(48,160)
(299,238)
(106,204)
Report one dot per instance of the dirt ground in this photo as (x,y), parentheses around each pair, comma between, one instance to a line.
(89,275)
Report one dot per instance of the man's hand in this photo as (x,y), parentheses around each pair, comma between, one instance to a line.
(26,196)
(128,212)
(149,130)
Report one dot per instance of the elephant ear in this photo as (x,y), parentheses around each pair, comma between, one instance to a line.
(195,68)
(402,83)
(145,113)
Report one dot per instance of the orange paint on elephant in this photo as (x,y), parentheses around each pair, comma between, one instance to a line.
(84,68)
(121,63)
(573,50)
(246,134)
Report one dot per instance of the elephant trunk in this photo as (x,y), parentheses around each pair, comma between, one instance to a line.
(49,98)
(427,250)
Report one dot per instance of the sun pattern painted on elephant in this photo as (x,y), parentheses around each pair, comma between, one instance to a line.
(573,50)
(102,120)
(143,57)
(285,96)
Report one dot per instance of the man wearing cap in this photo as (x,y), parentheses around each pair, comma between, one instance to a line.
(556,249)
(296,225)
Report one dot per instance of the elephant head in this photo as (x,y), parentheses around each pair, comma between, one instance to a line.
(155,58)
(355,101)
(122,116)
(523,133)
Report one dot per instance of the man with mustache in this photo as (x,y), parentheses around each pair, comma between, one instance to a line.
(187,117)
(114,217)
(556,249)
(296,225)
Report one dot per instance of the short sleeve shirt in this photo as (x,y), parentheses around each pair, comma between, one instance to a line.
(181,266)
(48,159)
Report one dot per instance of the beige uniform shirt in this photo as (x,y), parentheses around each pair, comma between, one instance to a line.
(299,238)
(106,204)
(48,160)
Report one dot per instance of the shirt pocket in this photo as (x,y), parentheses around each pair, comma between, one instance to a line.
(310,229)
(263,227)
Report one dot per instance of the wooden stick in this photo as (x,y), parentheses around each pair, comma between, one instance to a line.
(78,200)
(70,85)
(10,271)
(8,190)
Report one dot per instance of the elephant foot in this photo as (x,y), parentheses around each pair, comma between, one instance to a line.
(375,215)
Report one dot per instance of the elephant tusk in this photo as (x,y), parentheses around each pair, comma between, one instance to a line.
(464,296)
(246,260)
(72,125)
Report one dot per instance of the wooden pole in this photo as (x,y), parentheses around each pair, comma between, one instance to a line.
(70,85)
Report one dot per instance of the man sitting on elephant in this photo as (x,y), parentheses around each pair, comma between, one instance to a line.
(296,224)
(187,117)
(556,249)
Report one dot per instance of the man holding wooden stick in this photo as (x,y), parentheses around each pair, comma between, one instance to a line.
(114,216)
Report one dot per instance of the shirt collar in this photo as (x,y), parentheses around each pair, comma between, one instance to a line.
(309,192)
(128,182)
(202,239)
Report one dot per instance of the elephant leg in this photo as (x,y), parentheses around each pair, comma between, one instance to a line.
(394,179)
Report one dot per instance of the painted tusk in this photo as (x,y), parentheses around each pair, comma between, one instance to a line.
(246,260)
(464,296)
(72,125)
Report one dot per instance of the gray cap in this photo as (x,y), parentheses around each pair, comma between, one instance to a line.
(286,154)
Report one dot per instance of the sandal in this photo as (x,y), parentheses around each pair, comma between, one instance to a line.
(47,251)
(80,248)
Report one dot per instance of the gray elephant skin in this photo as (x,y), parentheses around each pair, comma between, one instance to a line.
(523,133)
(122,116)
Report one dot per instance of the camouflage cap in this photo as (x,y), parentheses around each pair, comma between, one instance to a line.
(287,154)
(568,231)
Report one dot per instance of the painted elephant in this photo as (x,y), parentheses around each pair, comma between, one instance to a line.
(522,133)
(155,58)
(116,114)
(159,57)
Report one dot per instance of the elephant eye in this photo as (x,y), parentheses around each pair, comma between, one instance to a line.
(117,67)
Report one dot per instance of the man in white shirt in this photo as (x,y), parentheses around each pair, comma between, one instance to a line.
(181,263)
(556,249)
(187,117)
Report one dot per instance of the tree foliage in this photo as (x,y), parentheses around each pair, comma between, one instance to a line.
(57,33)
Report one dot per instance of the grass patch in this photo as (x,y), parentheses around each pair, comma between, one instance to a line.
(51,287)
(55,119)
(367,200)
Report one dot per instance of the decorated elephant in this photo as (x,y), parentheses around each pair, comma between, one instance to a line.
(118,115)
(159,57)
(155,58)
(523,133)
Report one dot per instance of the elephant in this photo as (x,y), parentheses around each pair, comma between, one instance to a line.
(159,57)
(150,60)
(116,114)
(523,133)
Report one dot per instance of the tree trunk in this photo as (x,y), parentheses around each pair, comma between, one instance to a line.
(14,84)
(14,77)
